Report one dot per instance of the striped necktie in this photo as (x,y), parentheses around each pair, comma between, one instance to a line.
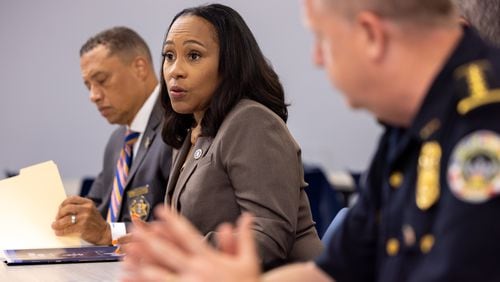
(122,167)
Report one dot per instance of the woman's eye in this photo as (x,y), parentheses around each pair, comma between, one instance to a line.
(193,56)
(169,56)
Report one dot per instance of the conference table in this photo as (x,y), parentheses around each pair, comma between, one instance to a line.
(81,272)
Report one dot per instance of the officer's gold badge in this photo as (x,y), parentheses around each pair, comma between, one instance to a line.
(428,189)
(474,168)
(139,206)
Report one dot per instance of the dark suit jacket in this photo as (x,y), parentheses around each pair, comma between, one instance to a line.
(150,166)
(253,164)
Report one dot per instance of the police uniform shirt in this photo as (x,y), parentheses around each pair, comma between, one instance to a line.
(429,208)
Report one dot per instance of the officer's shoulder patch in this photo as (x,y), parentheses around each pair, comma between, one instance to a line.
(474,167)
(479,92)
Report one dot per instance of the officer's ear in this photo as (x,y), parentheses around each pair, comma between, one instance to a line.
(463,21)
(374,34)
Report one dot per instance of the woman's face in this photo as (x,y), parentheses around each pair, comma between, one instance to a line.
(191,65)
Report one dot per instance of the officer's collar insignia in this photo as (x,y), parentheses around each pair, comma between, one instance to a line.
(479,92)
(474,169)
(431,127)
(139,207)
(428,189)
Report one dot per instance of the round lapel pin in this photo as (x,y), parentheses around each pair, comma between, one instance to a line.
(197,154)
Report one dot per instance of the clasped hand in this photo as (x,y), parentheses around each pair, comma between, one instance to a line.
(171,247)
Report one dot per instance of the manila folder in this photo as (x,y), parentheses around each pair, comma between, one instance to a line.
(28,206)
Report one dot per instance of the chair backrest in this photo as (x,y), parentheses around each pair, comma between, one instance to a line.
(324,200)
(334,225)
(86,184)
(11,173)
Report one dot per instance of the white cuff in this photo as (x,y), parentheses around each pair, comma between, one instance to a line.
(118,229)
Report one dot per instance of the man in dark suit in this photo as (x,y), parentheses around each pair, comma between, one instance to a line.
(117,69)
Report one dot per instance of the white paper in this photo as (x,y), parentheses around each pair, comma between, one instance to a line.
(28,206)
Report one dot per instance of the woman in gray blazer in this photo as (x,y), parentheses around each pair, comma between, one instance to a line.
(225,114)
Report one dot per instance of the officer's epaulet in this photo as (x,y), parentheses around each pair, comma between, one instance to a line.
(478,92)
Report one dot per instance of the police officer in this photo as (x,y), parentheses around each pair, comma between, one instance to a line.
(428,208)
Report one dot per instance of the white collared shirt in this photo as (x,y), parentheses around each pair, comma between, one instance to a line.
(141,119)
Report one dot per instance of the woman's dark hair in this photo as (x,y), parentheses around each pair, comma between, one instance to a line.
(244,73)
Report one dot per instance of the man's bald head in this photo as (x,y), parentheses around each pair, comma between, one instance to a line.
(381,54)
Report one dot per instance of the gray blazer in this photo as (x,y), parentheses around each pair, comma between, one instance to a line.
(253,164)
(150,166)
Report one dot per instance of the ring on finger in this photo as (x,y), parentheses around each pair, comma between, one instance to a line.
(73,219)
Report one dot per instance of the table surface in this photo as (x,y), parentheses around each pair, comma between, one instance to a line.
(96,271)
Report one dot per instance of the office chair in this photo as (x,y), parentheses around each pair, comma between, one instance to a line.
(324,200)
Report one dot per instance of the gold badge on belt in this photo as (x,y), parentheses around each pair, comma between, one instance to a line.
(139,206)
(428,188)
